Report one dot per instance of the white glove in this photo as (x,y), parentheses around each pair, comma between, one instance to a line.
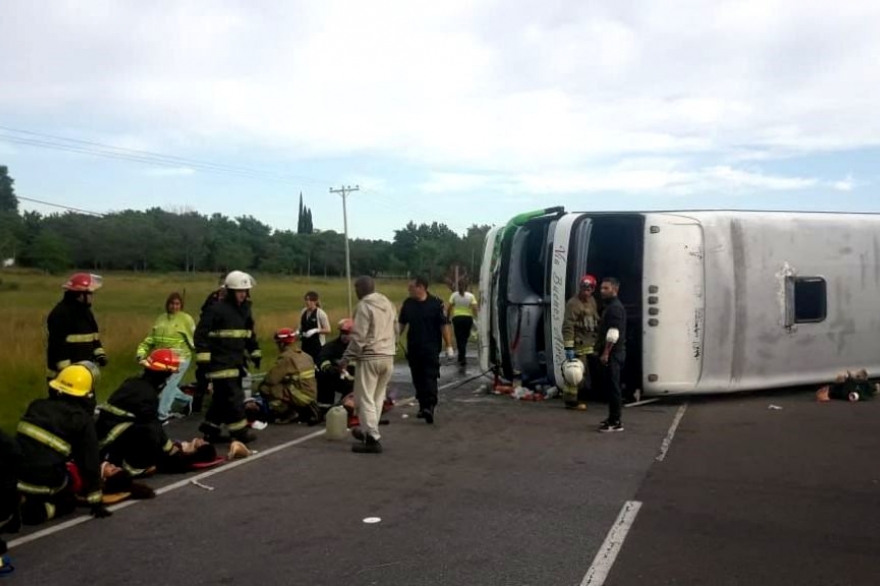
(311,332)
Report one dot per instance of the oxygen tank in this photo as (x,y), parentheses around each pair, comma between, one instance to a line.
(336,418)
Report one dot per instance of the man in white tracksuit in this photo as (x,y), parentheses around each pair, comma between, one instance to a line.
(372,348)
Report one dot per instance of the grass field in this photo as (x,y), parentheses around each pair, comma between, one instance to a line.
(126,308)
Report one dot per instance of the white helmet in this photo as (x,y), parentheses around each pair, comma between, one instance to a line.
(237,281)
(573,372)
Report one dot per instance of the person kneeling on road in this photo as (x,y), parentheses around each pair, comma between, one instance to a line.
(131,434)
(332,381)
(10,462)
(289,391)
(60,450)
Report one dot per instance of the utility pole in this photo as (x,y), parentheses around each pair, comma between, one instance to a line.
(344,191)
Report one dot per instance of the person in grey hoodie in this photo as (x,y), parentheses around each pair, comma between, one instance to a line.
(372,348)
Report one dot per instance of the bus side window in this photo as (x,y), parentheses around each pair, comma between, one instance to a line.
(810,301)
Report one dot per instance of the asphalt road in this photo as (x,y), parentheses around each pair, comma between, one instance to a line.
(507,492)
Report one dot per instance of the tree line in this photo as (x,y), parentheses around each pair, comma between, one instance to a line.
(162,241)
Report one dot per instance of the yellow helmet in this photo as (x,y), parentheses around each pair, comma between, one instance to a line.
(75,380)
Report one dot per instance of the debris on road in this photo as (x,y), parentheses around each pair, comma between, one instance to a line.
(849,387)
(775,408)
(372,520)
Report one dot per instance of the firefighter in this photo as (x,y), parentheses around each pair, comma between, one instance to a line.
(330,379)
(201,379)
(73,331)
(59,446)
(10,462)
(131,435)
(580,326)
(224,339)
(290,389)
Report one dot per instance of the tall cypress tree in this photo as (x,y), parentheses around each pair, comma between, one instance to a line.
(299,218)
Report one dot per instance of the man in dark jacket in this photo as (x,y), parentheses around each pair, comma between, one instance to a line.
(59,449)
(73,331)
(612,338)
(131,435)
(424,317)
(224,338)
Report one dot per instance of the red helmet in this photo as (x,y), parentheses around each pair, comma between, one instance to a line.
(346,325)
(588,281)
(285,336)
(163,360)
(83,282)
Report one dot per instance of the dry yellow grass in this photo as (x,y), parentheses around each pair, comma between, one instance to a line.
(125,309)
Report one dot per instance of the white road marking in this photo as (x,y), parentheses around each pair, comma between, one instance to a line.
(190,480)
(174,486)
(667,441)
(607,554)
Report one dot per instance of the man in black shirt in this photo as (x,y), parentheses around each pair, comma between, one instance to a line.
(427,328)
(612,334)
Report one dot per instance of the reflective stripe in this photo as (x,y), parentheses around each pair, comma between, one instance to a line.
(326,365)
(81,338)
(132,470)
(203,357)
(304,375)
(108,408)
(44,437)
(94,498)
(230,334)
(257,354)
(40,490)
(228,373)
(99,352)
(50,511)
(568,343)
(169,445)
(237,425)
(114,434)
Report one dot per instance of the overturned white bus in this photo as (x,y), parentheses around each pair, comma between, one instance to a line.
(717,301)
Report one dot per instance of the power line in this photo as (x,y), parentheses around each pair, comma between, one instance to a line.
(61,143)
(58,205)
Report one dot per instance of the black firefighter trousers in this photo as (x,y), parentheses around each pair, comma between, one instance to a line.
(227,406)
(425,371)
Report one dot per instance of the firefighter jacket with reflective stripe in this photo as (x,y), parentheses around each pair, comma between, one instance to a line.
(73,335)
(52,432)
(580,325)
(171,330)
(10,462)
(225,337)
(291,381)
(128,426)
(331,354)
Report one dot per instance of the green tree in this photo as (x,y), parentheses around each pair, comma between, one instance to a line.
(8,201)
(49,252)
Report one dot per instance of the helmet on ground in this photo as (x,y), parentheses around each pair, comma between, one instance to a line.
(238,281)
(285,336)
(573,372)
(83,282)
(346,325)
(588,281)
(75,380)
(163,360)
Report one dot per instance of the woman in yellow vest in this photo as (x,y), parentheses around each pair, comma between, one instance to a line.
(173,329)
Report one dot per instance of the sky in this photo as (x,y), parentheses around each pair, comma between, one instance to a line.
(462,112)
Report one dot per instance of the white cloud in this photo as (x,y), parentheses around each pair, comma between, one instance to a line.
(557,96)
(844,184)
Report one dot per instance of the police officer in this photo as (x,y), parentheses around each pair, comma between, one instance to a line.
(424,317)
(59,449)
(73,331)
(131,435)
(224,338)
(580,325)
(612,339)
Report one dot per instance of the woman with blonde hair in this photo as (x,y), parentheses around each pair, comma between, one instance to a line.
(173,329)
